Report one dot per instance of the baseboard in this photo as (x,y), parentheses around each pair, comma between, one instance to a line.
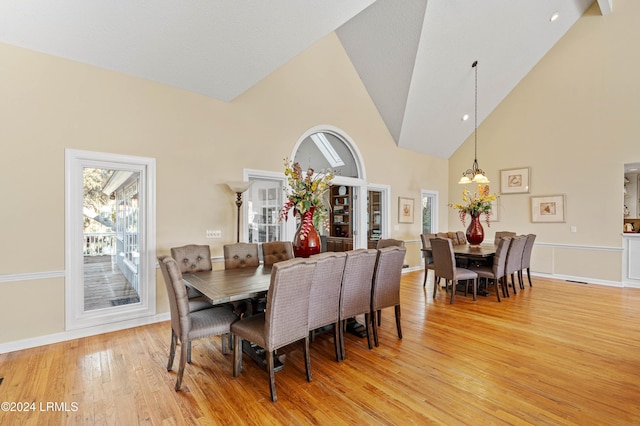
(77,334)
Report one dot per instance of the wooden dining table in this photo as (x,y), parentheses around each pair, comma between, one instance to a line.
(483,253)
(229,285)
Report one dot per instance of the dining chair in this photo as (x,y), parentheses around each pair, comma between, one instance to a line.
(446,268)
(285,320)
(462,238)
(193,258)
(187,326)
(276,251)
(428,256)
(241,255)
(355,298)
(442,235)
(514,259)
(385,291)
(500,234)
(496,271)
(453,236)
(324,299)
(389,242)
(526,259)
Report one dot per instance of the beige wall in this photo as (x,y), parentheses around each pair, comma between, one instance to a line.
(574,121)
(49,104)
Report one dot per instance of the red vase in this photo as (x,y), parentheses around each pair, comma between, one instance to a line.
(310,244)
(475,232)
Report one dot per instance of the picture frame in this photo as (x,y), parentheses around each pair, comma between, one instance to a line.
(405,210)
(548,209)
(514,181)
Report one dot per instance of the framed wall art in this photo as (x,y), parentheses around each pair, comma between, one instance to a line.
(514,181)
(405,210)
(549,208)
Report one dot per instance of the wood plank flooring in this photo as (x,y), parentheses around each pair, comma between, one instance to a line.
(104,285)
(556,354)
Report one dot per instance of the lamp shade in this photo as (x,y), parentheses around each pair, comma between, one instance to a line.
(239,186)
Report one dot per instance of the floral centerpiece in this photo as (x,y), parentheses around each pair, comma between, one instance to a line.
(475,204)
(304,194)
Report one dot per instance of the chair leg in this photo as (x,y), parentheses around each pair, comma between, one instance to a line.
(454,284)
(498,283)
(336,341)
(435,287)
(237,356)
(272,376)
(521,279)
(375,329)
(529,276)
(189,352)
(341,327)
(505,286)
(426,272)
(223,342)
(367,320)
(397,307)
(379,317)
(307,358)
(513,284)
(183,357)
(172,350)
(475,289)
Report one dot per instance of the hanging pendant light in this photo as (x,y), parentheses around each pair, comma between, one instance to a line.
(475,173)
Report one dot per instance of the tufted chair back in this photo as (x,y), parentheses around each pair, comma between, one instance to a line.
(389,242)
(276,251)
(192,258)
(240,255)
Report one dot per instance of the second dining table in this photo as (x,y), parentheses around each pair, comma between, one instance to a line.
(483,253)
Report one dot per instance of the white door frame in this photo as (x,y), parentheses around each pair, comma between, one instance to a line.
(75,315)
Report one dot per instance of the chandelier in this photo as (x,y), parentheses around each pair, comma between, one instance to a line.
(475,173)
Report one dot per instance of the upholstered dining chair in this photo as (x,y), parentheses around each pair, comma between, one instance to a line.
(285,320)
(355,298)
(514,259)
(389,242)
(462,238)
(446,268)
(526,258)
(324,301)
(428,256)
(187,326)
(500,234)
(496,271)
(276,251)
(240,255)
(385,290)
(193,258)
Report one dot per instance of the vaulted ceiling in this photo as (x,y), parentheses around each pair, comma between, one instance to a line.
(413,56)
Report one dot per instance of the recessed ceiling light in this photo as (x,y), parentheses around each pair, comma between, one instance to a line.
(554,16)
(465,117)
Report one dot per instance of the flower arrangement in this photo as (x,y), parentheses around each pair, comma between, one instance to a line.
(304,194)
(475,204)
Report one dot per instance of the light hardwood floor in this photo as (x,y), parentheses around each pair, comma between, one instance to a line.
(556,354)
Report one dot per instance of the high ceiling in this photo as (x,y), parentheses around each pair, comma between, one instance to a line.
(414,56)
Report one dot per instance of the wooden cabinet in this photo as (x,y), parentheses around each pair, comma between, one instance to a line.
(374,218)
(340,217)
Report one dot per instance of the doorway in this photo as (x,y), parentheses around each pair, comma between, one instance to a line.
(109,238)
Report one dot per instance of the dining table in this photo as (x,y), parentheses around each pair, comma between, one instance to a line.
(230,285)
(482,253)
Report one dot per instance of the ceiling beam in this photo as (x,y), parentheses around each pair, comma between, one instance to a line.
(605,6)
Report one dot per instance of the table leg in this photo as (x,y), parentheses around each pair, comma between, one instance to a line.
(259,355)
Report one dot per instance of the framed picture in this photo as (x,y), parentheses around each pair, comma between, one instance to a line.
(495,210)
(405,210)
(514,181)
(547,209)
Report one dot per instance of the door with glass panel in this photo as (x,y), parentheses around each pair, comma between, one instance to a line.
(264,201)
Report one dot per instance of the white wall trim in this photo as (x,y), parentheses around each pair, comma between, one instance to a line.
(64,336)
(31,276)
(577,247)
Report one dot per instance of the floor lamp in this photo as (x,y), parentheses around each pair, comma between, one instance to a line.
(239,187)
